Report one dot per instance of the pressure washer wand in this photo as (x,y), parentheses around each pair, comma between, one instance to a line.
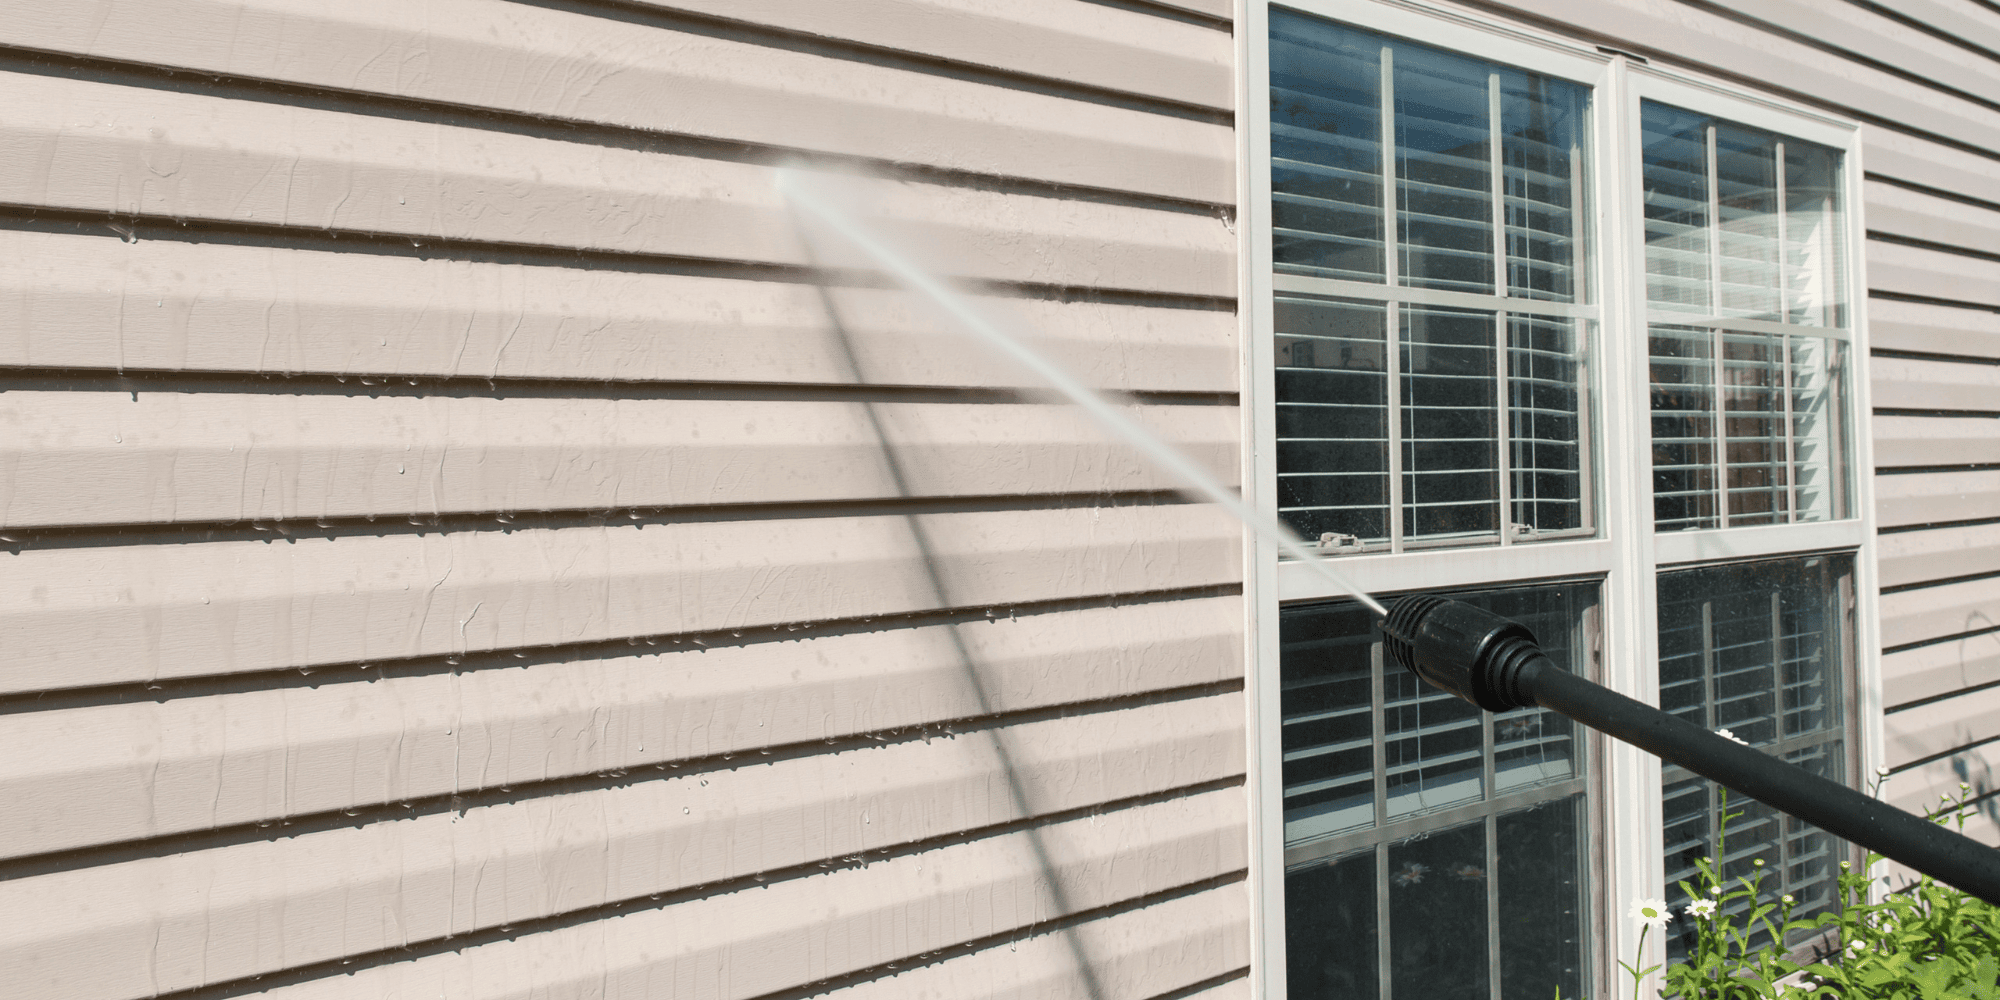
(1496,664)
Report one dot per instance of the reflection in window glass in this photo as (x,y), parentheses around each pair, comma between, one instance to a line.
(1740,222)
(1326,150)
(1761,649)
(1453,157)
(1444,170)
(1743,271)
(1747,428)
(1414,823)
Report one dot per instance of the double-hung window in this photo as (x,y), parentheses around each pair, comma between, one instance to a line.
(1570,337)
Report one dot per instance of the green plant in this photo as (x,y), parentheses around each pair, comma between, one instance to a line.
(1723,964)
(1927,941)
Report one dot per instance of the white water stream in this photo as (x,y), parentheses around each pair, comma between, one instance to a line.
(799,190)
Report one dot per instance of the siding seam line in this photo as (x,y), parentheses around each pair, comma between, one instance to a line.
(1940,755)
(1956,359)
(135,227)
(1932,300)
(1667,57)
(1936,698)
(1900,529)
(1898,411)
(501,658)
(1201,986)
(585,132)
(887,969)
(350,964)
(1939,640)
(1943,581)
(771,36)
(320,821)
(1917,243)
(1926,27)
(1845,54)
(1957,196)
(1169,12)
(16,540)
(30,378)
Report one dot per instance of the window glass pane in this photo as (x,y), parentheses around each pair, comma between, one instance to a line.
(1444,170)
(1326,149)
(1542,904)
(1433,747)
(1761,649)
(1450,447)
(1437,914)
(1684,427)
(1819,420)
(1740,222)
(1542,124)
(1330,925)
(1533,746)
(1464,795)
(1545,422)
(1814,291)
(1674,173)
(1746,201)
(1754,429)
(1465,131)
(1333,435)
(1772,408)
(1329,721)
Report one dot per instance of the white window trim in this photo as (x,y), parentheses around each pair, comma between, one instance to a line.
(1626,554)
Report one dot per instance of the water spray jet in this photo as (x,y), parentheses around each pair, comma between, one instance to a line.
(1194,479)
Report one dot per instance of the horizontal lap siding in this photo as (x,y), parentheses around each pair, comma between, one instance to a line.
(464,538)
(1930,113)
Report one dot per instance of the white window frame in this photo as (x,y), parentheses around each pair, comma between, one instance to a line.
(1625,554)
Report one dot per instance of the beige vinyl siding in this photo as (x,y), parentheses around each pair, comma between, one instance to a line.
(462,539)
(1923,76)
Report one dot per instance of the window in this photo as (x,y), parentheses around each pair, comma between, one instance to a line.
(1746,318)
(1427,249)
(1431,849)
(1762,650)
(1572,337)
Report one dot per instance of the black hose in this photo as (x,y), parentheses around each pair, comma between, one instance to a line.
(1495,664)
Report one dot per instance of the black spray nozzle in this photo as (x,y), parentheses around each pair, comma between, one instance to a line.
(1495,664)
(1479,656)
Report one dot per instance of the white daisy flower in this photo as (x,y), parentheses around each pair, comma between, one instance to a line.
(1701,908)
(1651,912)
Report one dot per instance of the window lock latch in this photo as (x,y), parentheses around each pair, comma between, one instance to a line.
(1519,530)
(1335,542)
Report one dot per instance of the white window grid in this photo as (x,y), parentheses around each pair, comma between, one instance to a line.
(1625,553)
